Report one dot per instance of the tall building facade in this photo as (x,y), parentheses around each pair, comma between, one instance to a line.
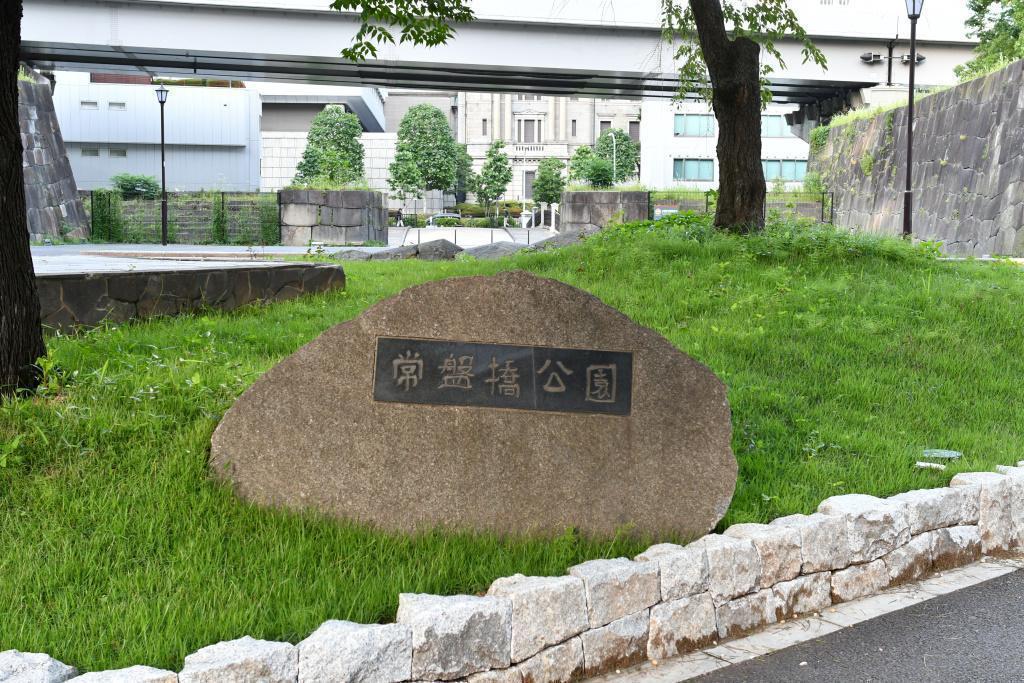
(537,127)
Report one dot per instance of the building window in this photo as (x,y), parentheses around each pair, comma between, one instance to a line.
(695,125)
(574,127)
(528,179)
(484,127)
(90,152)
(116,106)
(774,127)
(90,104)
(693,169)
(529,130)
(791,170)
(605,125)
(634,131)
(117,152)
(528,98)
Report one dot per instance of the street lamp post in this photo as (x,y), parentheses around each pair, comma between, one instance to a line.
(161,97)
(914,8)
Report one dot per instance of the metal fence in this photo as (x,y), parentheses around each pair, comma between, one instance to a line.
(192,217)
(809,205)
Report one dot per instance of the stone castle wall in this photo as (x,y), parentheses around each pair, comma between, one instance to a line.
(51,196)
(968,174)
(333,217)
(582,209)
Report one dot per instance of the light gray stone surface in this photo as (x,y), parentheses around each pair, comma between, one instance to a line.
(496,250)
(778,547)
(995,509)
(681,626)
(545,611)
(824,541)
(132,674)
(745,614)
(929,509)
(510,675)
(457,635)
(803,595)
(955,547)
(734,567)
(344,652)
(33,667)
(559,664)
(617,588)
(684,571)
(911,561)
(245,660)
(438,250)
(874,526)
(859,581)
(652,470)
(617,645)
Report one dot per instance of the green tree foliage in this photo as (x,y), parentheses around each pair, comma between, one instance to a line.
(494,177)
(549,183)
(598,172)
(580,163)
(421,22)
(764,22)
(999,26)
(465,179)
(426,155)
(134,186)
(333,154)
(615,146)
(219,222)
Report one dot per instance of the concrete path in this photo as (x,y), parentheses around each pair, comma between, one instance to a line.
(962,625)
(976,634)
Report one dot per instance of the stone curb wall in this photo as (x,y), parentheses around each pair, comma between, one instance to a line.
(334,216)
(609,614)
(968,175)
(581,210)
(70,301)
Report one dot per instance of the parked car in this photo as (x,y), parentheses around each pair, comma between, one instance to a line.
(432,221)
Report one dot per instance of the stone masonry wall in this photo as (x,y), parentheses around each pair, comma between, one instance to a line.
(968,174)
(334,217)
(51,196)
(70,301)
(582,209)
(605,615)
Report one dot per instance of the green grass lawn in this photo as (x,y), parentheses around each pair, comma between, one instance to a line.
(845,357)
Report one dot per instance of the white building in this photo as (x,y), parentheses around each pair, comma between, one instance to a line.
(678,141)
(112,128)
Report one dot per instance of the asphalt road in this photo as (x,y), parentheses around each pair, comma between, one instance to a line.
(975,634)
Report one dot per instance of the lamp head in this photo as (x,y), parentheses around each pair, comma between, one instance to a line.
(914,8)
(161,94)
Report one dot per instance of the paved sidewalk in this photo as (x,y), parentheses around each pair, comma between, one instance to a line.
(975,634)
(965,624)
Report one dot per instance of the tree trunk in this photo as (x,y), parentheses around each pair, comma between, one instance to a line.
(735,71)
(21,334)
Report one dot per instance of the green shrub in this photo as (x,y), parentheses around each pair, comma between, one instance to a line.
(599,173)
(447,222)
(819,138)
(867,163)
(107,219)
(136,186)
(270,225)
(470,210)
(813,183)
(334,153)
(219,222)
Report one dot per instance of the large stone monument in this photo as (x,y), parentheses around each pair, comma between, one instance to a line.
(508,403)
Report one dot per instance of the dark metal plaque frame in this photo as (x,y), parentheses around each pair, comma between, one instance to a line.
(455,373)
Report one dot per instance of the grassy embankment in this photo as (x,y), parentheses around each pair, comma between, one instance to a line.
(845,357)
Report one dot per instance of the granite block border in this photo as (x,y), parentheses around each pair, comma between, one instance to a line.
(78,300)
(669,601)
